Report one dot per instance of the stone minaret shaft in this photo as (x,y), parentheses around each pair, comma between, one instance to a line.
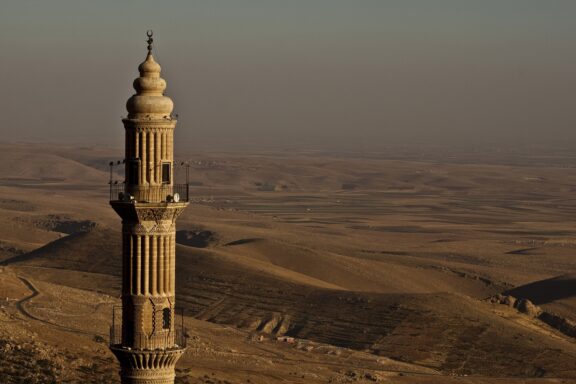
(150,343)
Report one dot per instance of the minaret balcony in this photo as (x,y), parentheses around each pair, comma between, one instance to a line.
(173,337)
(149,194)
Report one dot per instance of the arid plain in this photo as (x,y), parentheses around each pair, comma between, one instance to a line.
(415,266)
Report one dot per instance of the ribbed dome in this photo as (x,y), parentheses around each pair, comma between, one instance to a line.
(149,100)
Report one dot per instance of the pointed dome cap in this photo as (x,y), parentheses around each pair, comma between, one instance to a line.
(149,101)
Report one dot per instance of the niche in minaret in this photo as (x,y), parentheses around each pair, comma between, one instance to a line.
(166,312)
(133,171)
(166,173)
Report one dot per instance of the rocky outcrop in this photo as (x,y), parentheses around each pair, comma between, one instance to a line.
(525,306)
(566,326)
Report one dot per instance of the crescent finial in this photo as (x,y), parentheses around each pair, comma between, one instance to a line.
(149,33)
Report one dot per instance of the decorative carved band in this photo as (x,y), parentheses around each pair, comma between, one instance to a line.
(147,363)
(149,228)
(158,214)
(140,300)
(144,124)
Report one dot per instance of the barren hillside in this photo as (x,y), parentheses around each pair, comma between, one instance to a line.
(378,268)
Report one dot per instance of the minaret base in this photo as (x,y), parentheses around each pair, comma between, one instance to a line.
(147,367)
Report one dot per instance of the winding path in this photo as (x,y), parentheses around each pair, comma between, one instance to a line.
(20,305)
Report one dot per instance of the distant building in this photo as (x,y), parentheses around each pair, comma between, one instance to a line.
(286,339)
(147,339)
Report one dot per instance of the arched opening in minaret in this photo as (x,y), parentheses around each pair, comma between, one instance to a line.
(133,172)
(166,173)
(166,318)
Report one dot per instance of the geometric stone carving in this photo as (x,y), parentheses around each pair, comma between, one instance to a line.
(147,367)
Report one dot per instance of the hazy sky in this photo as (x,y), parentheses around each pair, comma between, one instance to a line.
(296,73)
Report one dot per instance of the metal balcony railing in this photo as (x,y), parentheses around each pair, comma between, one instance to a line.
(175,337)
(152,193)
(162,339)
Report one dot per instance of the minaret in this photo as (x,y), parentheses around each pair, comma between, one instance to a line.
(149,341)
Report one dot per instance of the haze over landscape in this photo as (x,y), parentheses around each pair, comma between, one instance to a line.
(306,74)
(381,191)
